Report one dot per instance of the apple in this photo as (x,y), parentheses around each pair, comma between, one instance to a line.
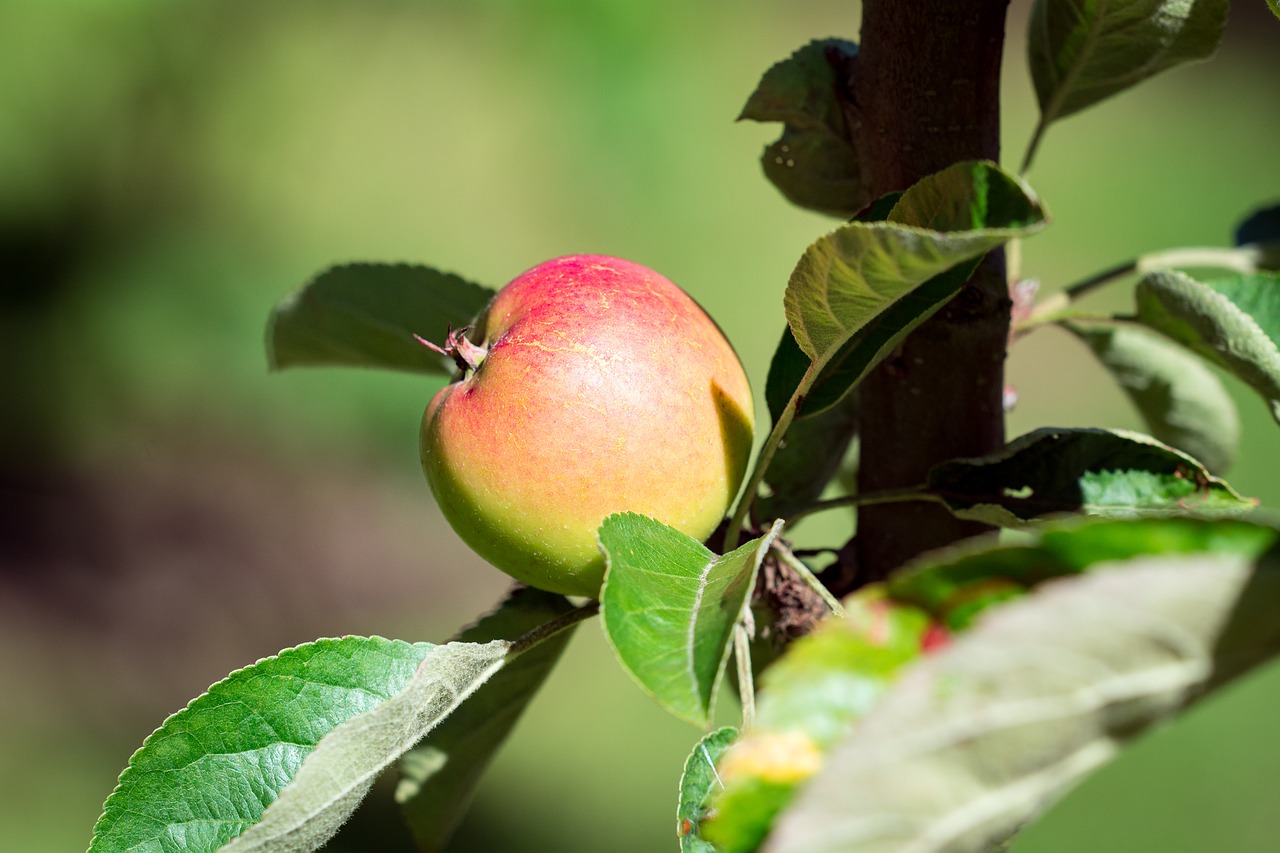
(589,385)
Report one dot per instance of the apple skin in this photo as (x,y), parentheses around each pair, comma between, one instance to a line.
(604,388)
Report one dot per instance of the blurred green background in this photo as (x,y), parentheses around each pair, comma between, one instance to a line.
(171,512)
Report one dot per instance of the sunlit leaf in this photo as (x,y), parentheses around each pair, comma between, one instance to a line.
(1099,472)
(808,701)
(850,278)
(669,606)
(438,776)
(1082,52)
(974,741)
(278,755)
(1233,322)
(698,784)
(1182,401)
(813,162)
(365,315)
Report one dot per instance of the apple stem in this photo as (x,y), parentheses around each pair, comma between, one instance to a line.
(456,346)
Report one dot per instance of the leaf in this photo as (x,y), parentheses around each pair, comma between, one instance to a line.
(1234,323)
(813,163)
(439,775)
(698,784)
(977,739)
(1183,402)
(365,315)
(1275,6)
(1095,471)
(808,701)
(277,755)
(1082,52)
(956,584)
(851,276)
(669,605)
(1261,227)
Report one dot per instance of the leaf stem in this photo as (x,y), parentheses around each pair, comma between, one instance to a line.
(746,681)
(1033,146)
(770,447)
(888,496)
(551,627)
(797,565)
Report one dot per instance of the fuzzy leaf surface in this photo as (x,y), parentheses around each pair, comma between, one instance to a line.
(277,755)
(669,606)
(699,784)
(1182,401)
(438,777)
(1041,692)
(1233,322)
(365,315)
(1101,472)
(813,163)
(1081,52)
(855,274)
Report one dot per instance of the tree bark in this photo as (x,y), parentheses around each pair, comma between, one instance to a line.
(926,88)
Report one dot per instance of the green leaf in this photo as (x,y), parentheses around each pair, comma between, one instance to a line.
(1082,52)
(853,275)
(1275,6)
(1233,322)
(1095,471)
(698,784)
(669,606)
(438,776)
(956,584)
(1039,693)
(277,755)
(812,163)
(365,315)
(1182,401)
(808,701)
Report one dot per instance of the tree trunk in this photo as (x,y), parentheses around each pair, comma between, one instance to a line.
(926,86)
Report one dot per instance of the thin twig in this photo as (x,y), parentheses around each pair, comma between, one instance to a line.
(746,682)
(551,627)
(909,493)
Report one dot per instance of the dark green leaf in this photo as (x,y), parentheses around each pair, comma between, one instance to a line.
(1095,471)
(669,606)
(698,784)
(439,775)
(853,275)
(808,701)
(278,754)
(365,315)
(813,163)
(1039,693)
(1233,322)
(1262,226)
(1275,6)
(1082,52)
(1182,401)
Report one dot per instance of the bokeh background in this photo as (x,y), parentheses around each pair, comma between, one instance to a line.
(169,511)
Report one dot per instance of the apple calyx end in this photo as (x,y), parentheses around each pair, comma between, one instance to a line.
(465,354)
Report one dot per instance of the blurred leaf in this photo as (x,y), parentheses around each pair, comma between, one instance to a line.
(812,163)
(786,369)
(277,755)
(1182,401)
(698,784)
(1082,52)
(669,606)
(1275,6)
(1095,471)
(1038,694)
(365,315)
(808,701)
(851,276)
(1262,226)
(1234,323)
(439,775)
(956,584)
